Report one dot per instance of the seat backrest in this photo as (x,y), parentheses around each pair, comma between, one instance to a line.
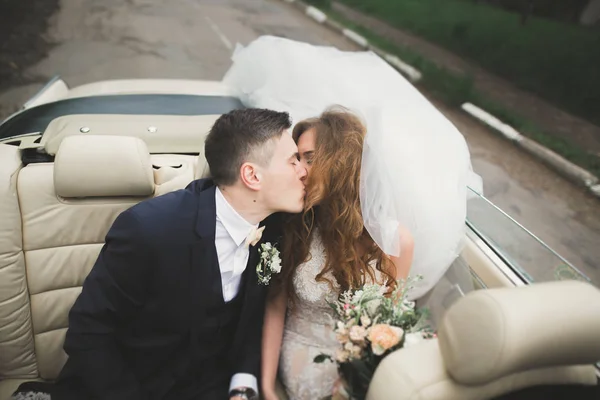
(17,355)
(496,341)
(65,209)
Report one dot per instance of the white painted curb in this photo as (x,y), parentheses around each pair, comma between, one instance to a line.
(413,73)
(507,130)
(356,38)
(563,166)
(316,14)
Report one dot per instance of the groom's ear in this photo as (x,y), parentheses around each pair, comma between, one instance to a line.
(251,176)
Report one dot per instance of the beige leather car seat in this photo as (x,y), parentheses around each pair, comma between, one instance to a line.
(54,217)
(496,341)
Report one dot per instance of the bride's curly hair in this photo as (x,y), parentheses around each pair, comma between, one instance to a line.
(332,205)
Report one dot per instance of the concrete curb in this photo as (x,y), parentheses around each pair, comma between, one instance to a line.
(561,165)
(356,38)
(573,172)
(319,16)
(316,14)
(508,131)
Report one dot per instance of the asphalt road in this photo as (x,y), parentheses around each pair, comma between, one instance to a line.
(193,39)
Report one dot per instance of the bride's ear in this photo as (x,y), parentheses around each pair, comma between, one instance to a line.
(250,176)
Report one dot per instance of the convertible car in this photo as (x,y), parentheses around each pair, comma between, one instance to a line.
(72,159)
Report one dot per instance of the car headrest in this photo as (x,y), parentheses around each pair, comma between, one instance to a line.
(495,332)
(103,166)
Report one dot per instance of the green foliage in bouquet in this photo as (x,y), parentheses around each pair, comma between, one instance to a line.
(369,326)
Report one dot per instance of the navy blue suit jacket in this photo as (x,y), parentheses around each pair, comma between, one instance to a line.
(131,329)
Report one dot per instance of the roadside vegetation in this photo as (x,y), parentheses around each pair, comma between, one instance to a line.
(558,61)
(444,22)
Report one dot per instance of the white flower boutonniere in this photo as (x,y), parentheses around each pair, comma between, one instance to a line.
(269,263)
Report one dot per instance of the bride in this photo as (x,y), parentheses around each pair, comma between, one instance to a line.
(325,251)
(401,191)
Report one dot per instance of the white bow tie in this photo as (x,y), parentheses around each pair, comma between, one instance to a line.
(254,236)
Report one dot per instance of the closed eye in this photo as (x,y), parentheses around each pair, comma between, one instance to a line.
(308,156)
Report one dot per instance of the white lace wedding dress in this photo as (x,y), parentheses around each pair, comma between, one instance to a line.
(309,332)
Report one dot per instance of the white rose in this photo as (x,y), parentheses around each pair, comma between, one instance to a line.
(365,320)
(276,266)
(348,346)
(342,355)
(356,352)
(358,334)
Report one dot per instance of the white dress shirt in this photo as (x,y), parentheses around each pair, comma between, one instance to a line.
(230,240)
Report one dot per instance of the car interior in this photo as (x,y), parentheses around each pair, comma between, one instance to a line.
(506,340)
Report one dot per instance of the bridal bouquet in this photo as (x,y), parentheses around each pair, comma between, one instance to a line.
(369,326)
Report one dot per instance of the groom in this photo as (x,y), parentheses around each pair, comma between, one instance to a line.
(173,309)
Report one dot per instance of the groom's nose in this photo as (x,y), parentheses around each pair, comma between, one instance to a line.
(302,172)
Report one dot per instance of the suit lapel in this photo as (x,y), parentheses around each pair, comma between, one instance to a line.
(207,213)
(251,280)
(205,275)
(252,287)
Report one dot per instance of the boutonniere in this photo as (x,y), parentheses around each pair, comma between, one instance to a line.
(269,263)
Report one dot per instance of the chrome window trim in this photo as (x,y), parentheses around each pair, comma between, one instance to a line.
(540,241)
(498,261)
(16,137)
(42,90)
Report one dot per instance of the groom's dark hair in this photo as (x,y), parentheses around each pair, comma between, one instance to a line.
(240,136)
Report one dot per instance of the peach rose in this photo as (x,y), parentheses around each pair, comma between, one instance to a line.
(383,337)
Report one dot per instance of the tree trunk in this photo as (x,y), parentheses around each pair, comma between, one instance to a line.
(591,13)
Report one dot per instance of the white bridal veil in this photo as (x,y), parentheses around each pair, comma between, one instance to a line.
(416,165)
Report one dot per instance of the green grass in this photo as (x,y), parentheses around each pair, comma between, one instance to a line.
(455,89)
(559,62)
